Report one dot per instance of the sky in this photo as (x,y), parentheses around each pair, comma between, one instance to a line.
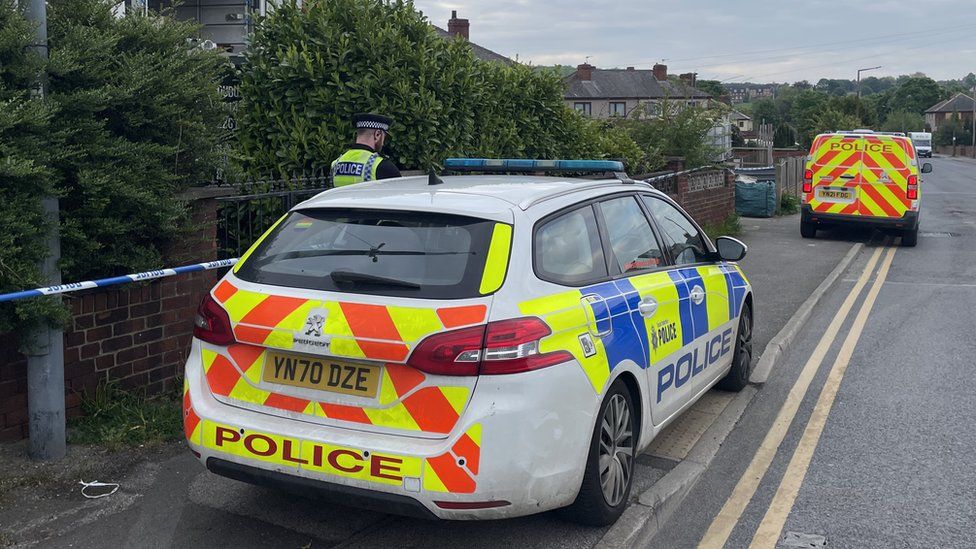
(731,40)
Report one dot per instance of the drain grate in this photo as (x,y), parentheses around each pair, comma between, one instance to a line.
(938,235)
(797,539)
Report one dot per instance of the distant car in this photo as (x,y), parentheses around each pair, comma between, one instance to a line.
(466,347)
(862,178)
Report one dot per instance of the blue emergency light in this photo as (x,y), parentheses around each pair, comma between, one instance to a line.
(515,165)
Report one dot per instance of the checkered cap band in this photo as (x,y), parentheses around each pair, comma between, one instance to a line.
(371,125)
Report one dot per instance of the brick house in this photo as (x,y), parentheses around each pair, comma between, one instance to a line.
(606,93)
(959,106)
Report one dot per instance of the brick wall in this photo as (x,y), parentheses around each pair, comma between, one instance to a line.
(707,195)
(137,334)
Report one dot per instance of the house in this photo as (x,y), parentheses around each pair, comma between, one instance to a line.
(606,93)
(226,24)
(743,93)
(460,28)
(610,93)
(959,106)
(741,121)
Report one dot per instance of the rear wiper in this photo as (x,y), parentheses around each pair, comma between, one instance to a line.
(349,277)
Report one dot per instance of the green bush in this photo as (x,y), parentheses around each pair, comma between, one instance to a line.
(789,204)
(130,119)
(310,68)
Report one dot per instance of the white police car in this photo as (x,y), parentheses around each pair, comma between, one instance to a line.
(477,346)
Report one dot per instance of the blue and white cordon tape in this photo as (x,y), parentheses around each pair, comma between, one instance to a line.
(115,280)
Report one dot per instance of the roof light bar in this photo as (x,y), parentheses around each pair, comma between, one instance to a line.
(512,165)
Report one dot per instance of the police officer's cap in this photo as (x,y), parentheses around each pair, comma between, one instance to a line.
(366,121)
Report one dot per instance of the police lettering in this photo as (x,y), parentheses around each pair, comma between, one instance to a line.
(693,363)
(861,146)
(349,168)
(338,461)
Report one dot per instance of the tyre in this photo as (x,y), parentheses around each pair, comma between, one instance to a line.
(738,376)
(909,238)
(807,229)
(609,475)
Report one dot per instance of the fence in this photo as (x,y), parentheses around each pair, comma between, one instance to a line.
(789,176)
(708,193)
(241,219)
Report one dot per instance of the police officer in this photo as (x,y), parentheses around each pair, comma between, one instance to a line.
(362,162)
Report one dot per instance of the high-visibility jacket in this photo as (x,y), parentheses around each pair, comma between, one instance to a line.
(355,166)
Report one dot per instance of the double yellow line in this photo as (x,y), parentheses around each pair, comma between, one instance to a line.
(779,509)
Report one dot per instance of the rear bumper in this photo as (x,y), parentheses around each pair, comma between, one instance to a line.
(520,448)
(908,221)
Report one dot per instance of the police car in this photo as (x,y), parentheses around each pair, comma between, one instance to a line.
(466,347)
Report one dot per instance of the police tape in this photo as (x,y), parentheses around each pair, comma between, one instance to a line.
(116,280)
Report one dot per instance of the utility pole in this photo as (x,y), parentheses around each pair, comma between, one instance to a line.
(45,356)
(859,71)
(972,151)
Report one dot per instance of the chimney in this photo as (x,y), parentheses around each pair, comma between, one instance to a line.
(458,27)
(688,78)
(585,71)
(630,68)
(660,72)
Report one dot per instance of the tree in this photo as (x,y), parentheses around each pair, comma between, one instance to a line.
(764,111)
(916,94)
(807,105)
(129,121)
(784,137)
(831,120)
(677,130)
(311,66)
(711,87)
(953,127)
(901,121)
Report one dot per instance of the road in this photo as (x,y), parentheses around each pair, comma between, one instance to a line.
(864,436)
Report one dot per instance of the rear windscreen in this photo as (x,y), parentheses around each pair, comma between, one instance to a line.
(410,254)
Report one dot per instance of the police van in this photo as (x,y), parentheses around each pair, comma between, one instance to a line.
(467,346)
(862,178)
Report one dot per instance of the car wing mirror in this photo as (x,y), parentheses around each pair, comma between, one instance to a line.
(730,249)
(926,168)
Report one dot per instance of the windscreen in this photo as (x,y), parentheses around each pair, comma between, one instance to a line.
(926,142)
(409,254)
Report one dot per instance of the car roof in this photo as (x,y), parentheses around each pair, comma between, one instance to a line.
(491,196)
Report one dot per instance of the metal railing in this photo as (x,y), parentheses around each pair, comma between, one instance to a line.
(243,218)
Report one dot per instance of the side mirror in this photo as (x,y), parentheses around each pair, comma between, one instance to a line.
(926,168)
(730,249)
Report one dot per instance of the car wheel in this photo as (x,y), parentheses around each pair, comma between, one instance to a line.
(808,230)
(609,475)
(738,376)
(910,237)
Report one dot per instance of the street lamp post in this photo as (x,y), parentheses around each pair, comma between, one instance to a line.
(859,71)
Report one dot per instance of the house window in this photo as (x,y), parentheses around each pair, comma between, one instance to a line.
(585,109)
(618,108)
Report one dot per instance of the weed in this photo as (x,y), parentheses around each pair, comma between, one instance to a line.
(729,227)
(115,418)
(789,204)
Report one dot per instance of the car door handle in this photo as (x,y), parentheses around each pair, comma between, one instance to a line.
(697,295)
(647,307)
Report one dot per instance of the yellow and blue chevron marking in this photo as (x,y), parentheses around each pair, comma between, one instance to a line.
(627,334)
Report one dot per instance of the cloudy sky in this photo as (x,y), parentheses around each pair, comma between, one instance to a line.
(730,40)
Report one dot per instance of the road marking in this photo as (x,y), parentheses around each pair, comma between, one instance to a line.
(723,523)
(767,535)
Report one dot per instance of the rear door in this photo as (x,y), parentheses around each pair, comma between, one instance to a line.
(328,308)
(887,164)
(835,161)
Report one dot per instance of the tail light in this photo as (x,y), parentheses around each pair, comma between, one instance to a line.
(212,323)
(502,347)
(913,187)
(808,181)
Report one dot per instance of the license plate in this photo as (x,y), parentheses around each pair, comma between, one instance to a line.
(835,195)
(324,374)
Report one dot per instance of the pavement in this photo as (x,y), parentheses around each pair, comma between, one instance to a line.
(168,499)
(892,465)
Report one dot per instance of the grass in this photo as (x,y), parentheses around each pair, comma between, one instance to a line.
(116,419)
(730,227)
(789,204)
